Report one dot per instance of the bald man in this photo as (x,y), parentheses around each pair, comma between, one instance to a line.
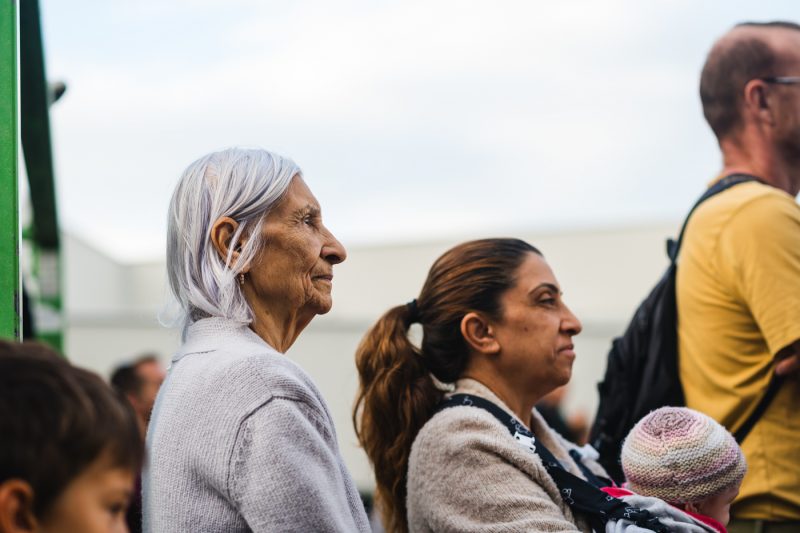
(738,281)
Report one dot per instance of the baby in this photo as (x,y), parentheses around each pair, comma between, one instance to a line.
(69,447)
(687,459)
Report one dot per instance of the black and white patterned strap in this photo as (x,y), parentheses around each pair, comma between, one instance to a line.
(579,494)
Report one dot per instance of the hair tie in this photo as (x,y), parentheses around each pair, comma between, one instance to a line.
(413,311)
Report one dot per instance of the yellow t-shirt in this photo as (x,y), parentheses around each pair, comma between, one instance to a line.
(738,291)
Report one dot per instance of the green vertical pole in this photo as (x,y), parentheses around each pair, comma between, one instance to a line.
(10,288)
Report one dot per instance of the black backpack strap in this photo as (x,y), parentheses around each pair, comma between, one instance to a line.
(578,493)
(725,183)
(772,390)
(775,383)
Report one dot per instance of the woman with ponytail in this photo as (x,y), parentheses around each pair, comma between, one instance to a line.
(493,327)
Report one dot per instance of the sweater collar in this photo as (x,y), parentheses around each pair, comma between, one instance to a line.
(210,334)
(473,386)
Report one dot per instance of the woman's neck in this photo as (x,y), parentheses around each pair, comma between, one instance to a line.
(520,404)
(279,330)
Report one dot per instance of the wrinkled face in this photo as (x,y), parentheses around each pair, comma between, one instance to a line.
(93,502)
(295,267)
(536,330)
(719,507)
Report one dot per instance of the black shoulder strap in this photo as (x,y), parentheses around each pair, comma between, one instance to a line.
(774,384)
(674,247)
(591,477)
(725,183)
(578,493)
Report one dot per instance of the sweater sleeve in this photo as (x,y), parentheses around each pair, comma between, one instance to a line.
(464,478)
(284,473)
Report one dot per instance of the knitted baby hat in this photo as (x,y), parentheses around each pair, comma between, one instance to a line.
(681,456)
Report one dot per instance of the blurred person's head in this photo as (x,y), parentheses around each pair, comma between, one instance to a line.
(246,242)
(139,382)
(70,446)
(750,90)
(490,310)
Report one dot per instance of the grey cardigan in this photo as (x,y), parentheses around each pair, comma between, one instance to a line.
(241,440)
(467,474)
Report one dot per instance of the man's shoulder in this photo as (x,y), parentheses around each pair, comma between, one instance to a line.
(748,208)
(749,198)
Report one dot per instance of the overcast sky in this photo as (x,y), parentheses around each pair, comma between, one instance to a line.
(411,119)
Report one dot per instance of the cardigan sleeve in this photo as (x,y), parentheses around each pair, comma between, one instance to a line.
(284,474)
(466,476)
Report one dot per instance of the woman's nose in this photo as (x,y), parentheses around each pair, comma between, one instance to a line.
(333,251)
(570,323)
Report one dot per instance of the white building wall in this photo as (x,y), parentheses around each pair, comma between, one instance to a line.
(605,273)
(93,282)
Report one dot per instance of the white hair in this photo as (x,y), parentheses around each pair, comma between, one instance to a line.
(243,184)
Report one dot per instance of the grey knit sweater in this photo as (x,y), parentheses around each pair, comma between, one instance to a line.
(241,440)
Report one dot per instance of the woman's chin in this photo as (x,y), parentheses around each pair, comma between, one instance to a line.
(320,304)
(564,378)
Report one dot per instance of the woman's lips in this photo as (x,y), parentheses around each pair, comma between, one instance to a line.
(568,350)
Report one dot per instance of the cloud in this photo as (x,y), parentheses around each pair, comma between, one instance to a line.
(410,118)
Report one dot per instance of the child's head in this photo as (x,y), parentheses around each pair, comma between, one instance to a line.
(684,457)
(69,449)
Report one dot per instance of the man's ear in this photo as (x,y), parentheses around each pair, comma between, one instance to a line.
(758,103)
(479,334)
(221,236)
(16,507)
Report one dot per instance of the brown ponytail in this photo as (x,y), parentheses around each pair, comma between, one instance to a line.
(396,398)
(397,394)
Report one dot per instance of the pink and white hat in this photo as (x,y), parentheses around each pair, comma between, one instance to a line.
(681,456)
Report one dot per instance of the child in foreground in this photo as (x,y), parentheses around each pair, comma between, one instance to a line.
(69,447)
(686,459)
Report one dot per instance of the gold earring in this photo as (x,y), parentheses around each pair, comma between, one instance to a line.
(241,278)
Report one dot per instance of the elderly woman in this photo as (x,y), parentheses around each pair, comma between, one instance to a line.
(241,438)
(495,328)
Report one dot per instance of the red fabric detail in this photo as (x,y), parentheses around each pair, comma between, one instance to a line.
(616,492)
